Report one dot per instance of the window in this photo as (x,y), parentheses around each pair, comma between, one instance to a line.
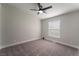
(54,28)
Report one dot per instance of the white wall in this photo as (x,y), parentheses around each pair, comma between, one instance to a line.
(69,29)
(18,26)
(0,25)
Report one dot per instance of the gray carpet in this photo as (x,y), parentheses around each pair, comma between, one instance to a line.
(39,48)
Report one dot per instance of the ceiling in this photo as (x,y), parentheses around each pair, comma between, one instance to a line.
(58,8)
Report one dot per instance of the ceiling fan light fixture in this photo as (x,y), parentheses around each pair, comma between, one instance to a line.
(40,11)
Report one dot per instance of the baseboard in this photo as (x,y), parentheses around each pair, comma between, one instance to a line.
(37,39)
(18,43)
(63,43)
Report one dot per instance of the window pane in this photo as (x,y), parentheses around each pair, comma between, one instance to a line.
(54,28)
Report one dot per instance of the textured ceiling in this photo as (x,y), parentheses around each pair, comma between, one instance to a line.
(58,8)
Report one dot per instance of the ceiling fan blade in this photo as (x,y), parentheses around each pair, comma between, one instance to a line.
(38,13)
(47,8)
(44,12)
(34,9)
(39,6)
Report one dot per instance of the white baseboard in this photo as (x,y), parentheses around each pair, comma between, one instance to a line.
(16,43)
(74,46)
(37,39)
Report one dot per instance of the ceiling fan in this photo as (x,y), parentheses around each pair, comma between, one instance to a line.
(41,9)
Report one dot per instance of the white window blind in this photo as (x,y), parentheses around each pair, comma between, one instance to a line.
(54,28)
